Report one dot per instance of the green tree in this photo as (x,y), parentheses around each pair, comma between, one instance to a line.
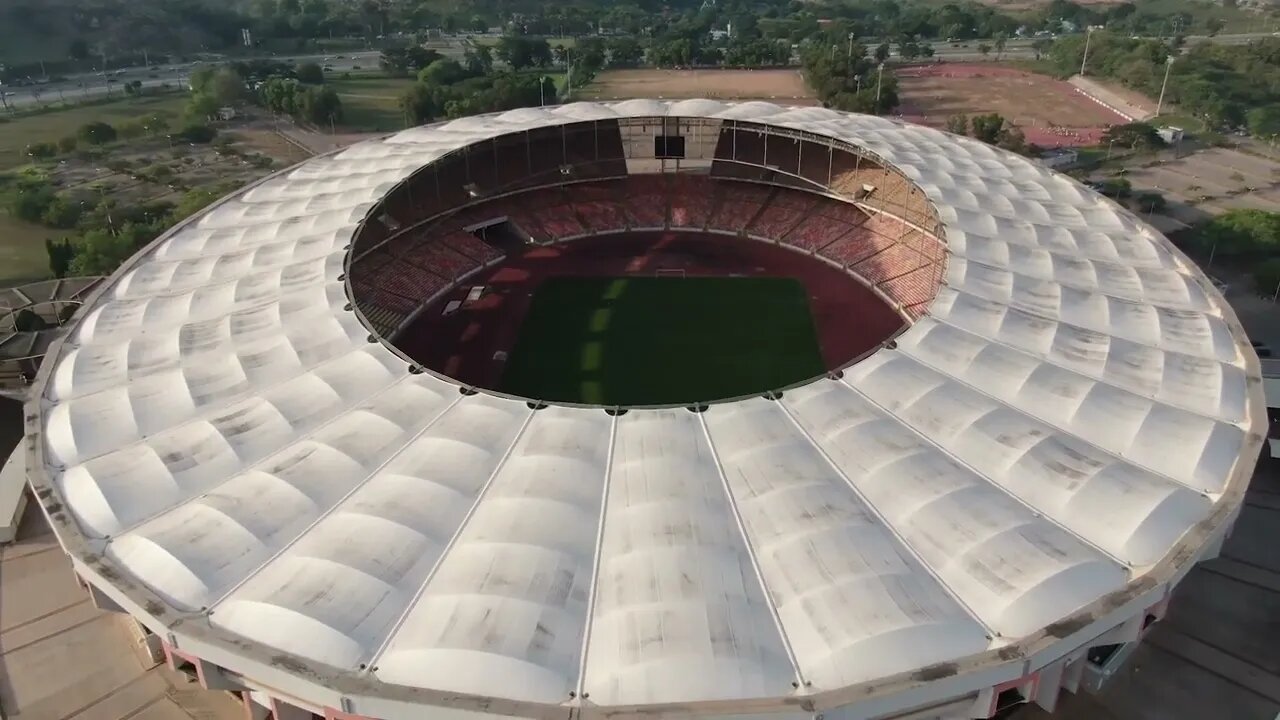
(60,254)
(625,52)
(479,60)
(419,105)
(96,133)
(201,107)
(985,49)
(445,71)
(958,124)
(1264,122)
(882,52)
(1266,276)
(67,144)
(999,40)
(519,51)
(1135,135)
(321,105)
(310,73)
(987,128)
(223,84)
(1243,233)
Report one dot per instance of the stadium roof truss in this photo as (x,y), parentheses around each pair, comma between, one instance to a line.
(229,456)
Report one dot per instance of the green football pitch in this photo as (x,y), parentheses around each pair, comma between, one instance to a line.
(662,340)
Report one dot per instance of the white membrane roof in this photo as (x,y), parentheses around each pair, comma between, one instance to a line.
(225,436)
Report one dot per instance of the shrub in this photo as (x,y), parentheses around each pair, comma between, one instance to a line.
(41,150)
(1266,276)
(67,144)
(96,133)
(196,133)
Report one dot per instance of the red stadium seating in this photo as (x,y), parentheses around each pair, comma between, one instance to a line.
(917,286)
(816,232)
(440,259)
(471,246)
(559,222)
(774,222)
(645,200)
(856,246)
(404,279)
(895,261)
(601,215)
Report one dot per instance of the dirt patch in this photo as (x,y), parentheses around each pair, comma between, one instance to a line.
(1050,112)
(780,85)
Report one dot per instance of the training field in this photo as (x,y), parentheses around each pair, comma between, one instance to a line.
(662,340)
(784,86)
(1050,112)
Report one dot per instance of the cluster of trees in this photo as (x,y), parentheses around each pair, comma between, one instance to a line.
(1250,236)
(845,77)
(992,129)
(298,91)
(82,35)
(1227,86)
(450,89)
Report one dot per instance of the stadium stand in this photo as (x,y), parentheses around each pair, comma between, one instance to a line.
(601,216)
(415,263)
(471,246)
(645,200)
(818,231)
(693,201)
(440,258)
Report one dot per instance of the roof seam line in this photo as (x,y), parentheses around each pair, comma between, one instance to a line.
(1001,488)
(337,503)
(1065,432)
(946,320)
(964,290)
(751,555)
(595,567)
(888,525)
(444,553)
(338,415)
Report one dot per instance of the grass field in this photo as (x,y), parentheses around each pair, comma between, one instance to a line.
(653,341)
(21,131)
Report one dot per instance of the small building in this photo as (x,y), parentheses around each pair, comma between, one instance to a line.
(1059,158)
(1171,135)
(226,113)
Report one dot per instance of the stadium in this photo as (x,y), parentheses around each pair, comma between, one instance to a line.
(682,409)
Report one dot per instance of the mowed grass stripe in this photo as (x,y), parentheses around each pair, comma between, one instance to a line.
(657,341)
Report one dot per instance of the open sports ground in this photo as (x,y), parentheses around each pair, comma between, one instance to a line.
(785,86)
(662,340)
(1050,112)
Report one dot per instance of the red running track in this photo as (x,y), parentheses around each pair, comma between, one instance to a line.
(851,320)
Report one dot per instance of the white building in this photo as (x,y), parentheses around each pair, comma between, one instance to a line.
(232,457)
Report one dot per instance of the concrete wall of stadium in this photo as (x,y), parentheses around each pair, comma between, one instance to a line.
(276,687)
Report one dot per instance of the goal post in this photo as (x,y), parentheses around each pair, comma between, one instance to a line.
(669,272)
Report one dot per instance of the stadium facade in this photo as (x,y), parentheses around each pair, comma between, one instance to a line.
(977,513)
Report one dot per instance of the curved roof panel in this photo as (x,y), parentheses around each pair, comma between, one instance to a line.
(224,435)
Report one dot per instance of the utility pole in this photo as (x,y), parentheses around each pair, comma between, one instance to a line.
(879,81)
(1087,37)
(1168,65)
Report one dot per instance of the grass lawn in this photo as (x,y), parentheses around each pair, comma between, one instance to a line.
(50,126)
(650,340)
(22,253)
(371,103)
